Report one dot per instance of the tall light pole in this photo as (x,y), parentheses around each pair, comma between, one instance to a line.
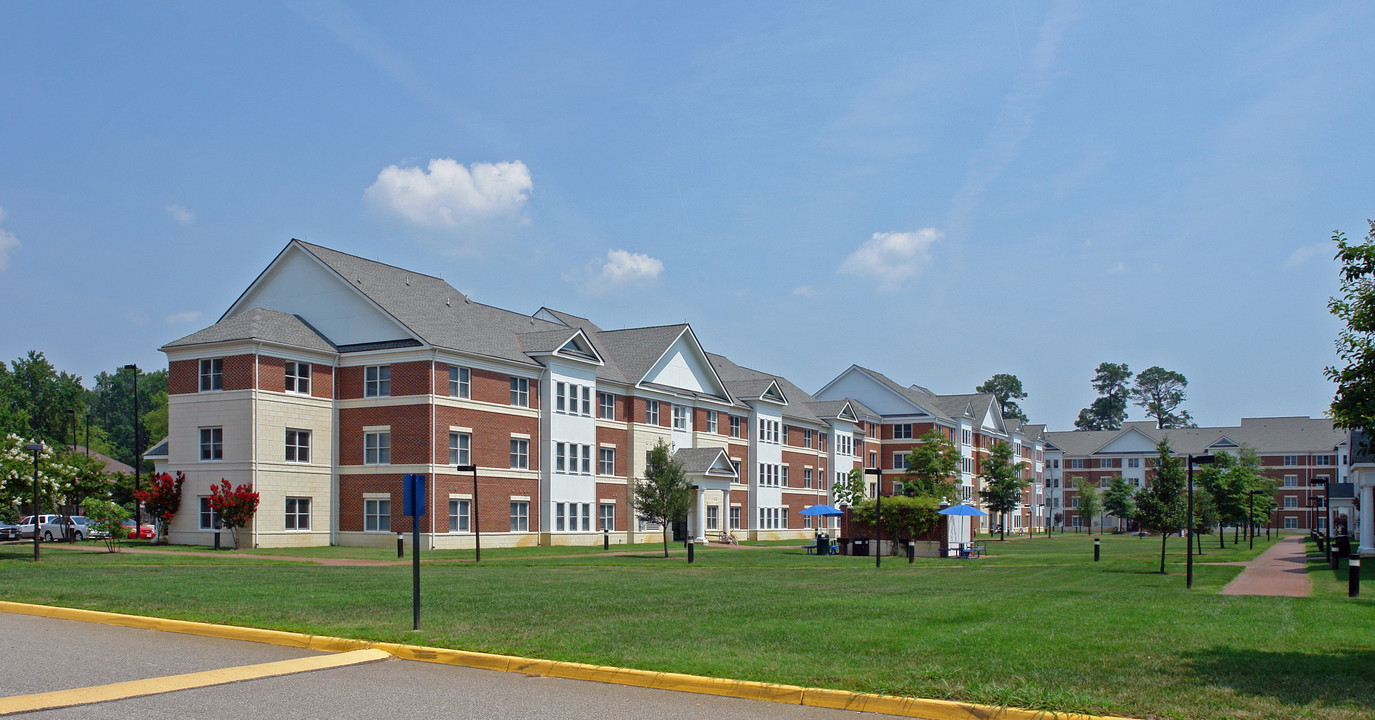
(878,512)
(138,451)
(1327,518)
(35,448)
(1189,561)
(477,531)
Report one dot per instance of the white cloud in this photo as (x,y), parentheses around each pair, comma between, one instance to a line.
(804,291)
(182,318)
(621,268)
(180,214)
(8,242)
(447,195)
(891,258)
(1302,255)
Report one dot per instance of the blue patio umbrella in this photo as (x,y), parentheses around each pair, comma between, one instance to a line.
(962,509)
(823,510)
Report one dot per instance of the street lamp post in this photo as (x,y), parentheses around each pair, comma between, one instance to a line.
(477,532)
(1189,557)
(35,448)
(137,452)
(1327,518)
(878,512)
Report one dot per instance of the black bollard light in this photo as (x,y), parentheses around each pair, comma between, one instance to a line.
(911,553)
(217,535)
(1353,574)
(400,546)
(691,547)
(606,539)
(1095,549)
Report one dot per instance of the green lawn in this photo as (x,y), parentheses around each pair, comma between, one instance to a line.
(1037,624)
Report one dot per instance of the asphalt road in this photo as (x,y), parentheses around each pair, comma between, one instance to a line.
(69,654)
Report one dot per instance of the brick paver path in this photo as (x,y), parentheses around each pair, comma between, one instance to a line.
(1279,571)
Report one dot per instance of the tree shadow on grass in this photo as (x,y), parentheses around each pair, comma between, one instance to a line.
(1338,678)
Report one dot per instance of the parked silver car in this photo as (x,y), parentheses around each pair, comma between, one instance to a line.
(8,531)
(60,529)
(26,524)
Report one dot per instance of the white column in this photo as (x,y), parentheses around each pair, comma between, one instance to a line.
(1367,519)
(701,504)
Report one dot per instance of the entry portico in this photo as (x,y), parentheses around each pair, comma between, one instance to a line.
(709,471)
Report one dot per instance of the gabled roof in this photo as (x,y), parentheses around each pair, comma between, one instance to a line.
(635,350)
(608,371)
(259,324)
(746,382)
(1269,435)
(923,399)
(569,343)
(705,461)
(114,466)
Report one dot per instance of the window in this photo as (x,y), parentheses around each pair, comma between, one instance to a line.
(606,406)
(806,438)
(1055,463)
(1291,459)
(606,517)
(784,481)
(806,477)
(520,453)
(297,513)
(458,515)
(376,515)
(298,378)
(606,461)
(1105,462)
(520,392)
(652,412)
(713,517)
(873,458)
(1292,523)
(377,448)
(1291,501)
(208,518)
(1076,464)
(297,446)
(460,448)
(460,382)
(966,436)
(1133,462)
(520,515)
(559,390)
(734,426)
(212,444)
(785,434)
(680,417)
(586,402)
(212,374)
(560,457)
(735,518)
(1322,460)
(1291,480)
(899,461)
(902,431)
(572,399)
(711,421)
(377,381)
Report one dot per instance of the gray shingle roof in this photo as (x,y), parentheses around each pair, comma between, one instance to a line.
(1297,435)
(921,397)
(698,461)
(635,350)
(609,371)
(545,341)
(259,324)
(745,382)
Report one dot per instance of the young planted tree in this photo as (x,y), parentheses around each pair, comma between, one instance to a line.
(1120,500)
(1353,406)
(1205,514)
(933,469)
(1161,392)
(1162,508)
(663,496)
(902,514)
(1109,411)
(233,506)
(849,489)
(1090,502)
(108,518)
(1008,390)
(162,499)
(1002,484)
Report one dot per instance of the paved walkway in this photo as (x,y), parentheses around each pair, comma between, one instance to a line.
(1279,571)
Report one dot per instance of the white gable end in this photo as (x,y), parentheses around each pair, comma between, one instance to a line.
(298,284)
(877,397)
(991,422)
(682,366)
(1132,441)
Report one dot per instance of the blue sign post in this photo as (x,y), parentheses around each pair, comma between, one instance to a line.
(413,503)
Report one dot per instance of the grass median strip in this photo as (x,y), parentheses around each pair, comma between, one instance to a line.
(187,681)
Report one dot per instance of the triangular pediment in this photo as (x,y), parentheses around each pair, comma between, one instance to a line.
(848,413)
(579,347)
(993,420)
(685,365)
(884,398)
(773,393)
(298,283)
(1223,443)
(1129,441)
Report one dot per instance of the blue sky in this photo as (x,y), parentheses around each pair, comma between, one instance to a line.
(939,191)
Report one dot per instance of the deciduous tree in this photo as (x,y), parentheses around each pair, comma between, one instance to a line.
(1008,390)
(1090,502)
(1162,508)
(933,469)
(107,517)
(1120,499)
(234,506)
(849,488)
(1002,483)
(1353,406)
(162,499)
(1109,411)
(663,496)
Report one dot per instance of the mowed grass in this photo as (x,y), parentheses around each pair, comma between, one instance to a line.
(1036,624)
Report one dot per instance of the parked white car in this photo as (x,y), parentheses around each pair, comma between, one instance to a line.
(26,524)
(80,528)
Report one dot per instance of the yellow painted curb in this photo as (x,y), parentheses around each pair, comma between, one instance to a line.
(171,683)
(744,689)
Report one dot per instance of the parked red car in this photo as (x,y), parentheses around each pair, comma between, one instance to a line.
(145,531)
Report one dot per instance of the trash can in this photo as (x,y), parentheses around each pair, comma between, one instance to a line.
(823,544)
(1341,547)
(844,545)
(861,548)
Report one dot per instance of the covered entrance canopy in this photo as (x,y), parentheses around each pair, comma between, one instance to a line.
(706,469)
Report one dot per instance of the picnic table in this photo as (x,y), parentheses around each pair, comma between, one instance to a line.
(972,550)
(834,549)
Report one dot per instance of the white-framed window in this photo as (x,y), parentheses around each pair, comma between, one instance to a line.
(298,378)
(520,392)
(606,406)
(606,461)
(652,412)
(735,518)
(579,517)
(606,517)
(1076,464)
(680,417)
(297,446)
(806,477)
(520,453)
(1291,501)
(1105,462)
(207,514)
(586,410)
(460,448)
(1077,521)
(1291,480)
(212,444)
(520,516)
(1133,462)
(785,434)
(783,479)
(713,517)
(460,382)
(873,459)
(459,515)
(711,421)
(377,448)
(899,461)
(376,515)
(902,431)
(297,513)
(377,381)
(806,438)
(1323,460)
(1291,523)
(734,426)
(585,466)
(966,436)
(769,430)
(1291,459)
(212,374)
(560,390)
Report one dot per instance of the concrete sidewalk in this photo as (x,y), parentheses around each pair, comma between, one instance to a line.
(1279,571)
